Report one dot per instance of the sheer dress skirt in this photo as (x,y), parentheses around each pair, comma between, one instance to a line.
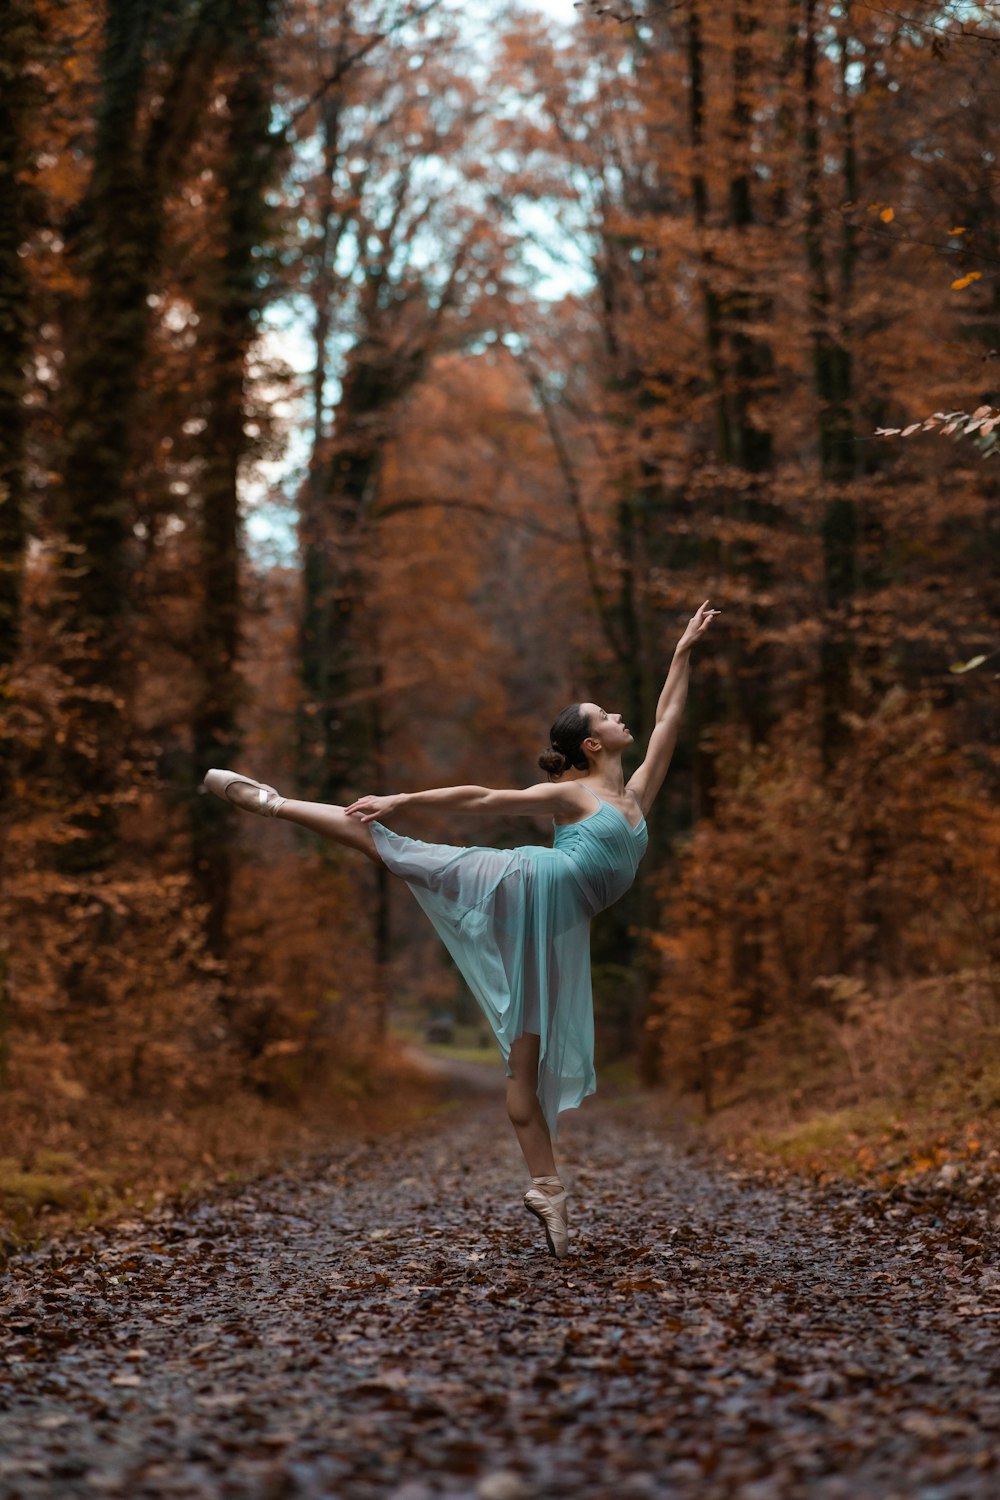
(517,924)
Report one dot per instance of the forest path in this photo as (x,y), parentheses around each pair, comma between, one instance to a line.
(388,1324)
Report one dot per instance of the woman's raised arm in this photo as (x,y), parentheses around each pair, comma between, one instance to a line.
(647,780)
(545,797)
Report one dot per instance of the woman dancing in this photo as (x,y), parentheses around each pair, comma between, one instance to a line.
(517,921)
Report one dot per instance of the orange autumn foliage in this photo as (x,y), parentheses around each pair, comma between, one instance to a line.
(889,870)
(617,331)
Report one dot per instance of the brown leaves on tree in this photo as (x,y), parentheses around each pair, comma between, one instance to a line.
(983,421)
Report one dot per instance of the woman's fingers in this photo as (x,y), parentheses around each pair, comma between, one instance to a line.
(704,617)
(366,809)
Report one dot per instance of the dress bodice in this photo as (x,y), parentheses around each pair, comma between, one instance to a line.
(606,850)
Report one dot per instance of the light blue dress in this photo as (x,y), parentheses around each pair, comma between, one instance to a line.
(517,924)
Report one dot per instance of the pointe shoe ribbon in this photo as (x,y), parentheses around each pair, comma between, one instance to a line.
(267,800)
(550,1210)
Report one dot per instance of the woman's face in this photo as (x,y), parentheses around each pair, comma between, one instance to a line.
(606,727)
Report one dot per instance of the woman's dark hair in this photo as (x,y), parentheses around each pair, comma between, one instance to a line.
(567,735)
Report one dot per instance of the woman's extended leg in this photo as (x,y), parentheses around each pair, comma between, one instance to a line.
(333,823)
(524,1109)
(321,817)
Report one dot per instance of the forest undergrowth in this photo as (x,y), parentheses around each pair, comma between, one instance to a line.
(111,1160)
(904,1089)
(905,1085)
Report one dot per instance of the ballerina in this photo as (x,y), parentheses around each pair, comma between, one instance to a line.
(517,921)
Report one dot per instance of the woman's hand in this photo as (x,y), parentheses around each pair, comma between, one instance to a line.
(698,624)
(372,809)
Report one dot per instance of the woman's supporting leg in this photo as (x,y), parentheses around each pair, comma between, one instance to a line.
(333,823)
(525,1111)
(546,1197)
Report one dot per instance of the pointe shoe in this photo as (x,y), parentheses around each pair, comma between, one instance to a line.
(550,1209)
(260,798)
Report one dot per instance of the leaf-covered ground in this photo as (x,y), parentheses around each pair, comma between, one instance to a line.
(387,1323)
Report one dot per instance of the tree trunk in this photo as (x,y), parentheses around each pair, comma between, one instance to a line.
(313,522)
(784,133)
(15,49)
(752,375)
(753,358)
(16,39)
(339,667)
(383,880)
(699,201)
(833,384)
(118,254)
(235,301)
(704,709)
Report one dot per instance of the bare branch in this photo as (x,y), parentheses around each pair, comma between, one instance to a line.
(575,498)
(620,13)
(503,518)
(344,66)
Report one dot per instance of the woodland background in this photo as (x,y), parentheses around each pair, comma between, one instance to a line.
(598,315)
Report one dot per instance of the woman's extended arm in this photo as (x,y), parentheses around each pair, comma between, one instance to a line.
(546,797)
(647,780)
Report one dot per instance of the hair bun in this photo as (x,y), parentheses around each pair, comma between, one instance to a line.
(553,761)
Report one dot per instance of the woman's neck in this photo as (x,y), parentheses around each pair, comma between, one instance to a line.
(609,776)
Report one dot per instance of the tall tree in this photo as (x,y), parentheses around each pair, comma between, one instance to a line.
(16,46)
(748,314)
(117,250)
(832,376)
(375,297)
(694,39)
(232,300)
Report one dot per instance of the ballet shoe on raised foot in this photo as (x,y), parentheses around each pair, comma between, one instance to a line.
(550,1209)
(252,796)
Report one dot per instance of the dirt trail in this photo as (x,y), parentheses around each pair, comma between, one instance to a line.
(389,1325)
